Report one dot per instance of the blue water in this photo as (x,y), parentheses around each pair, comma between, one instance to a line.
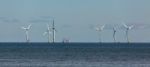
(74,54)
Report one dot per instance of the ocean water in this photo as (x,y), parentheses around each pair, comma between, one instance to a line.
(75,55)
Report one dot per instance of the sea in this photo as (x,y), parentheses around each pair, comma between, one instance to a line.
(74,54)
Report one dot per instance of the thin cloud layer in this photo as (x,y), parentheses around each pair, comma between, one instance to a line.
(9,20)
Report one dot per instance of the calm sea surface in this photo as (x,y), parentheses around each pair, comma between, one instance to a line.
(75,55)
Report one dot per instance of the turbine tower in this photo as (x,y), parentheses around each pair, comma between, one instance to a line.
(127,30)
(48,32)
(27,32)
(99,30)
(53,30)
(114,33)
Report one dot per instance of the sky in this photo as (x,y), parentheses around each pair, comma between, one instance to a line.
(74,19)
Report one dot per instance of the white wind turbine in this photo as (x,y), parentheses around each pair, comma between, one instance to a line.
(48,32)
(99,30)
(27,32)
(127,30)
(114,33)
(54,31)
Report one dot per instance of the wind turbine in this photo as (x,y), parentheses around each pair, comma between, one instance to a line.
(99,30)
(27,32)
(54,31)
(48,32)
(114,33)
(127,30)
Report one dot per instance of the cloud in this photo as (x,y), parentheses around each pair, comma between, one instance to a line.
(2,18)
(66,26)
(9,20)
(46,17)
(39,21)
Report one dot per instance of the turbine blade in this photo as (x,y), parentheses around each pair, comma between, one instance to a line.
(114,28)
(44,33)
(130,27)
(23,28)
(29,26)
(48,27)
(125,25)
(102,27)
(97,29)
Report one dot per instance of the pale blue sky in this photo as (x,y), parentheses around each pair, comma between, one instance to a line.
(73,19)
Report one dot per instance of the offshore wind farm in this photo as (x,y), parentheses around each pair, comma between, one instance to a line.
(76,54)
(74,33)
(51,32)
(67,53)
